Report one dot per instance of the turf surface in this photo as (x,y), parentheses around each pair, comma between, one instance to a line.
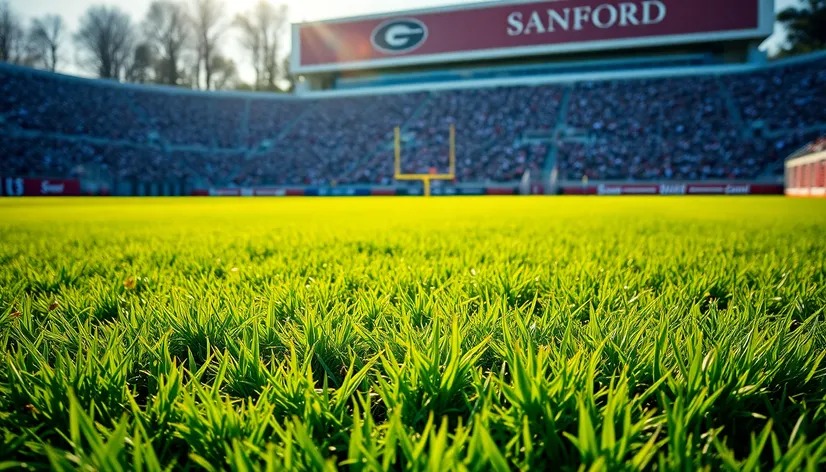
(442,334)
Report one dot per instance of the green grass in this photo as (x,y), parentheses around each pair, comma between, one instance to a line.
(442,334)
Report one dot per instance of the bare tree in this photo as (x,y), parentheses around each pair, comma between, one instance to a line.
(104,40)
(262,29)
(271,24)
(9,24)
(168,29)
(207,15)
(225,72)
(46,35)
(250,40)
(288,78)
(140,68)
(189,74)
(14,47)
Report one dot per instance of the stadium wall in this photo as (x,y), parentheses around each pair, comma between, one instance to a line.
(598,189)
(675,189)
(26,187)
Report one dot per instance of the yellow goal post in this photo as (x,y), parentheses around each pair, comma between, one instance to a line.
(425,178)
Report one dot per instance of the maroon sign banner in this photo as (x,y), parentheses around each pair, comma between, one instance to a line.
(675,189)
(22,187)
(506,29)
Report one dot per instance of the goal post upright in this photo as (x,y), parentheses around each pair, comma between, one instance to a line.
(398,150)
(424,178)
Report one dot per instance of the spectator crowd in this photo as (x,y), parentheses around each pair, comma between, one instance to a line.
(737,126)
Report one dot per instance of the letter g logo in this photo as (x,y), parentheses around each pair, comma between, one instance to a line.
(398,36)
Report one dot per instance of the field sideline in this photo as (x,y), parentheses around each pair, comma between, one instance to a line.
(457,333)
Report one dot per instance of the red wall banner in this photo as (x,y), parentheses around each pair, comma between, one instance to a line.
(675,189)
(225,192)
(504,29)
(500,190)
(20,187)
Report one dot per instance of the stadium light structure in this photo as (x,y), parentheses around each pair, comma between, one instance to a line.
(425,178)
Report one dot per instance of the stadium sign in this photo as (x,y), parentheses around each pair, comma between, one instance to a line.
(675,189)
(23,187)
(513,29)
(672,189)
(604,16)
(398,36)
(52,188)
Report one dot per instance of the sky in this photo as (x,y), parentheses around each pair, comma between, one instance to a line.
(300,10)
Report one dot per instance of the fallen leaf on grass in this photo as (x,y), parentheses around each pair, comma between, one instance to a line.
(130,283)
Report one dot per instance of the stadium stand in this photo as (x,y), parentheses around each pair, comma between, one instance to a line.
(330,140)
(713,126)
(785,97)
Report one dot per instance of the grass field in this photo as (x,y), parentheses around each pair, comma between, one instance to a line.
(443,334)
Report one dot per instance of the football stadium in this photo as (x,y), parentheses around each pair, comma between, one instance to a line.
(611,272)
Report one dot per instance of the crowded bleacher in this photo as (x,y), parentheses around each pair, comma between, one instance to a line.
(735,126)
